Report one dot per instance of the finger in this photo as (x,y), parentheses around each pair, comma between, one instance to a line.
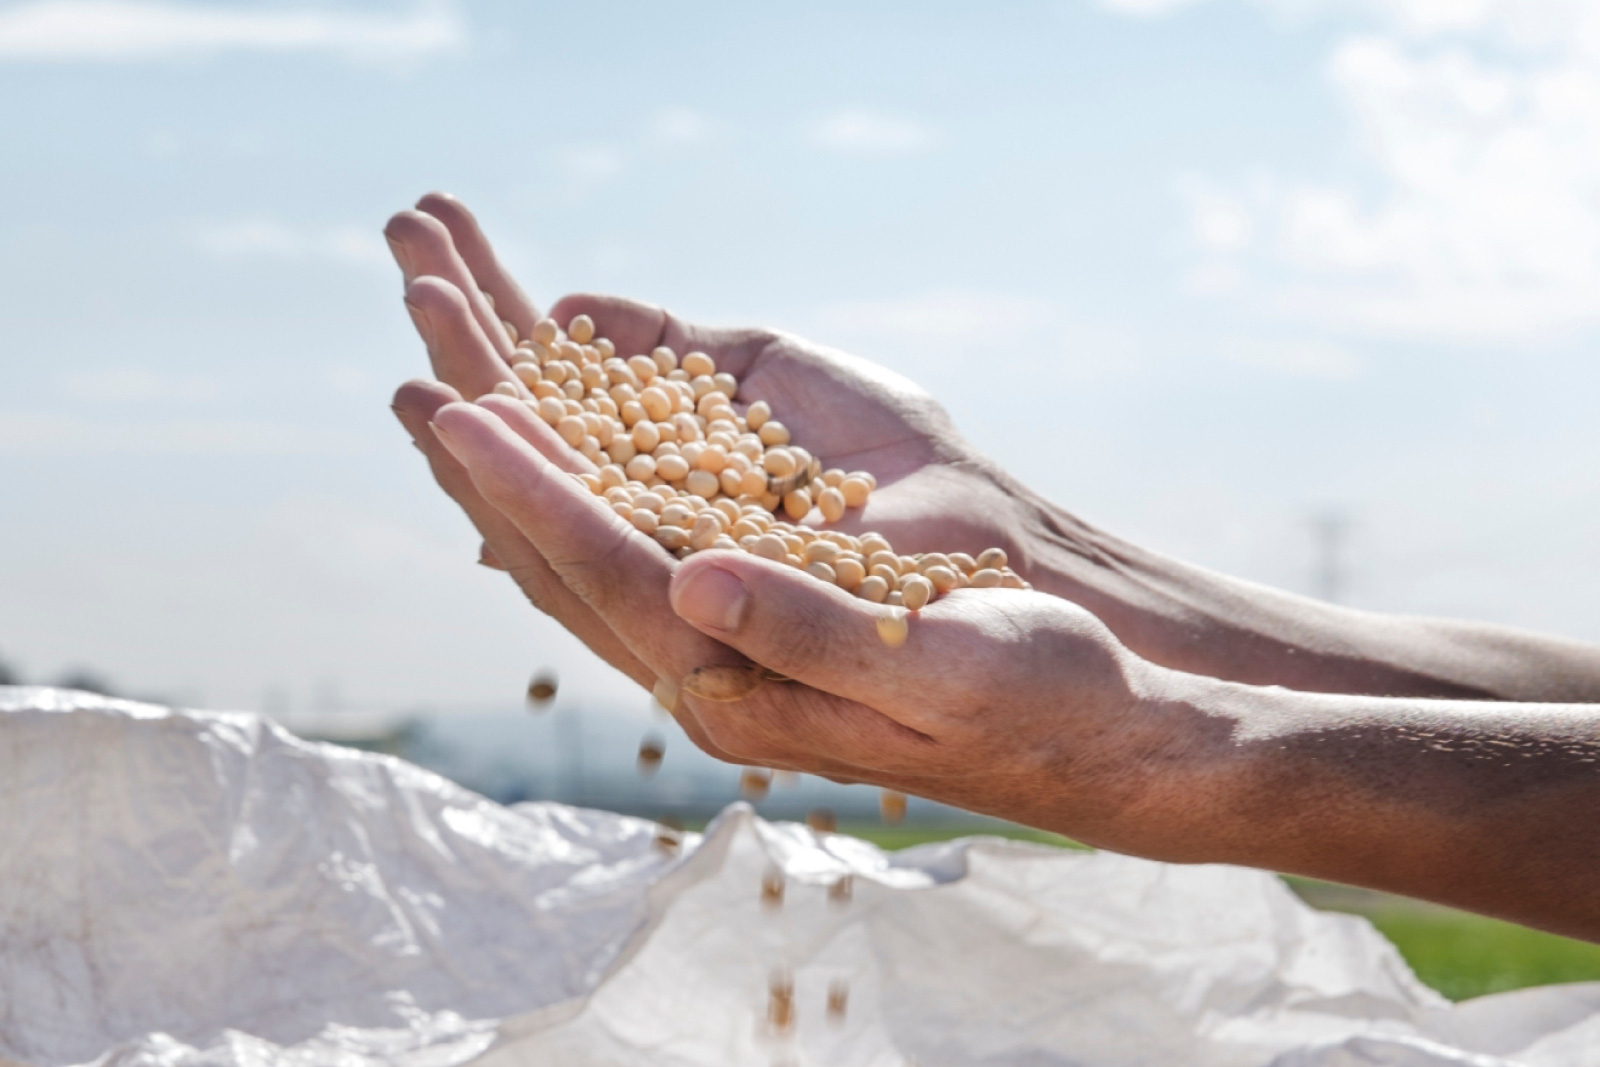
(423,246)
(538,433)
(907,664)
(461,354)
(415,404)
(618,571)
(636,327)
(510,302)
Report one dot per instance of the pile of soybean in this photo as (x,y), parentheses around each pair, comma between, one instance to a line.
(683,459)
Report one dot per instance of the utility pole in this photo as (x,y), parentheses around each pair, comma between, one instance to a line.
(1329,530)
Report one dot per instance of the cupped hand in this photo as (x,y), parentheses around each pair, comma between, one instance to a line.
(1003,701)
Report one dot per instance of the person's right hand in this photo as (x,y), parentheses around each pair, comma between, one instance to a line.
(1009,702)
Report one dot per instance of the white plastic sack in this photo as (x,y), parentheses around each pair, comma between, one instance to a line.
(184,888)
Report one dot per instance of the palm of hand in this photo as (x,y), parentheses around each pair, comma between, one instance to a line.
(935,493)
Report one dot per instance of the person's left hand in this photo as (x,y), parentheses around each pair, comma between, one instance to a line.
(1003,701)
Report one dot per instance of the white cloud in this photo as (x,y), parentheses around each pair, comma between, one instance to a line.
(126,30)
(1145,8)
(590,163)
(1301,357)
(261,238)
(871,133)
(135,385)
(1481,121)
(679,125)
(941,333)
(25,433)
(955,318)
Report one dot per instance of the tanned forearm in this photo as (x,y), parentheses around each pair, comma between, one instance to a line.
(1194,620)
(1485,806)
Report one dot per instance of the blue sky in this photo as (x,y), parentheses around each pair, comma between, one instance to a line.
(1196,270)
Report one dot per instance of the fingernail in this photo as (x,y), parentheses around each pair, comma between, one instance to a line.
(444,439)
(712,597)
(419,319)
(401,257)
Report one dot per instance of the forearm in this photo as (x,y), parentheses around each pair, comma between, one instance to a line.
(1194,620)
(1479,805)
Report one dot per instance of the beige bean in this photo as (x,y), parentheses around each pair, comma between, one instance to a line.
(855,491)
(650,501)
(656,403)
(640,467)
(987,578)
(666,360)
(849,573)
(992,558)
(732,481)
(797,504)
(932,559)
(889,574)
(621,451)
(757,413)
(644,368)
(873,588)
(823,571)
(644,520)
(713,459)
(943,578)
(831,501)
(545,332)
(963,562)
(872,543)
(671,538)
(552,410)
(892,628)
(773,433)
(702,483)
(698,365)
(529,373)
(779,462)
(507,389)
(916,591)
(676,514)
(866,476)
(672,468)
(833,477)
(645,436)
(726,384)
(581,329)
(820,551)
(753,483)
(770,546)
(605,348)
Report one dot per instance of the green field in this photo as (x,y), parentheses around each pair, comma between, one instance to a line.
(1459,954)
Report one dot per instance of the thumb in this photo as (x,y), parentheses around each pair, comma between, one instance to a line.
(804,628)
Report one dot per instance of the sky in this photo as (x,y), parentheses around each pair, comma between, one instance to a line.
(1199,271)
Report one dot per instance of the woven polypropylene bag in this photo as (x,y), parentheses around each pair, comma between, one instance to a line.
(185,888)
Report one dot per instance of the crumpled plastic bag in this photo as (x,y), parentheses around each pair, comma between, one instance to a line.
(192,888)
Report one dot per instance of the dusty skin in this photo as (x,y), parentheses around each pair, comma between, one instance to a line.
(1129,700)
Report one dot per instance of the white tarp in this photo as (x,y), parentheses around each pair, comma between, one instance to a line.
(187,888)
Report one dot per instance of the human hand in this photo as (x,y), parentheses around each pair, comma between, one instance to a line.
(1002,701)
(935,492)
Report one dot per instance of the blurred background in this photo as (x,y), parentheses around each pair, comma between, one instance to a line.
(1301,290)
